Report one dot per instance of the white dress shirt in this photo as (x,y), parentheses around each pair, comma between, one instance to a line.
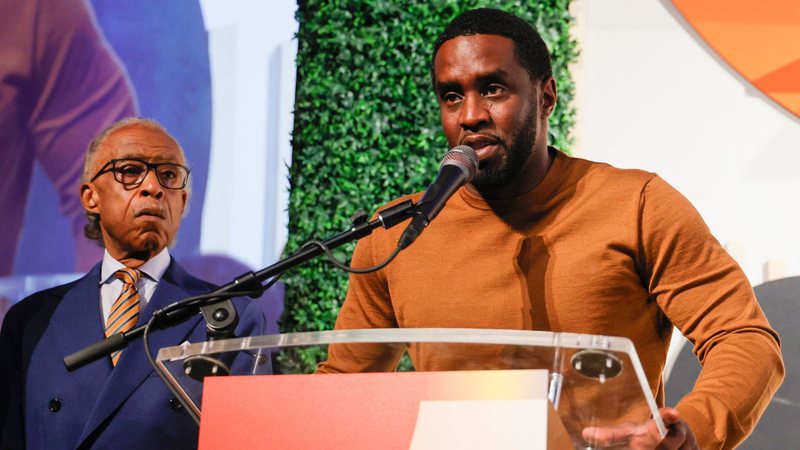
(111,286)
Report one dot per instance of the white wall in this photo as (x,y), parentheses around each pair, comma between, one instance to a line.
(252,52)
(653,96)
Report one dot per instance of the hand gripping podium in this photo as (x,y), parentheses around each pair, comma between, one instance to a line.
(470,388)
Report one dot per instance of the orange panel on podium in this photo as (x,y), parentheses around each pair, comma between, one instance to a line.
(361,411)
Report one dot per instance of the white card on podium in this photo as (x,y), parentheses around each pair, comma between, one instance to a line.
(481,424)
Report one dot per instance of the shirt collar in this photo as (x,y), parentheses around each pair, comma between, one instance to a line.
(154,268)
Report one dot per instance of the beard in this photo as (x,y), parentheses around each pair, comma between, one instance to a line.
(518,150)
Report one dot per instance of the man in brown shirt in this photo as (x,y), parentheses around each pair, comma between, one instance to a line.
(543,241)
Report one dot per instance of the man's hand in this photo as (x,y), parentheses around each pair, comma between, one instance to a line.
(645,436)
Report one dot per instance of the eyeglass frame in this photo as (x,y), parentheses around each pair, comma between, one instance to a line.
(150,166)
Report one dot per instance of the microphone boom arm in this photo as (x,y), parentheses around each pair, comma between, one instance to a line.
(246,284)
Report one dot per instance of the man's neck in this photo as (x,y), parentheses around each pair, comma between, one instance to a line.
(133,259)
(154,268)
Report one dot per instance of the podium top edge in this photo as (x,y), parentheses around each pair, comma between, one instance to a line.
(405,336)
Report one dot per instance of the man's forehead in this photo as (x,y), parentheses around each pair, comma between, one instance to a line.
(154,153)
(479,54)
(141,142)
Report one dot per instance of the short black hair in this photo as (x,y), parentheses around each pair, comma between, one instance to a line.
(529,48)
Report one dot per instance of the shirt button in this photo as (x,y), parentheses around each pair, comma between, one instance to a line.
(175,404)
(55,404)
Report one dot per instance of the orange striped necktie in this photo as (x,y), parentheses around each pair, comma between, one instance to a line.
(125,310)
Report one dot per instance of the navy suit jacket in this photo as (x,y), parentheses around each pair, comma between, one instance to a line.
(42,405)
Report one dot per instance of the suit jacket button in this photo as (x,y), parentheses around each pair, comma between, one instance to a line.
(175,404)
(55,404)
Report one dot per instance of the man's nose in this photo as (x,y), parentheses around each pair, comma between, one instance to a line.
(150,185)
(474,112)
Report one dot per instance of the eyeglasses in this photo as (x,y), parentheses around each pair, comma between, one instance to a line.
(132,172)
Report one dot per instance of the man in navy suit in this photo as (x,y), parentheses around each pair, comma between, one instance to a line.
(135,190)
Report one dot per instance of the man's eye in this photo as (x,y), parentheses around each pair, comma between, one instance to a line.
(451,97)
(130,169)
(494,89)
(169,174)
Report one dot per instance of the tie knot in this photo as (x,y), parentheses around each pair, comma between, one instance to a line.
(129,275)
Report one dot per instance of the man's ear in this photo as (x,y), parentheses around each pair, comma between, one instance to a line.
(549,97)
(184,199)
(90,198)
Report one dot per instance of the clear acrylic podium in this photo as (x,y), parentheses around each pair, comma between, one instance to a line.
(592,381)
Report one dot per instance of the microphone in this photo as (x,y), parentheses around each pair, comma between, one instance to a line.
(458,167)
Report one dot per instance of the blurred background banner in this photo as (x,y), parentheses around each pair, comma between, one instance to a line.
(758,41)
(219,75)
(188,62)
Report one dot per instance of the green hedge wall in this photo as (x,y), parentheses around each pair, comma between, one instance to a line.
(367,125)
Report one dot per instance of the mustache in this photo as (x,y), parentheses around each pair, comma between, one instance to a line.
(480,138)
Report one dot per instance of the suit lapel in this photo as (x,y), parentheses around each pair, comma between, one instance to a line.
(133,368)
(78,317)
